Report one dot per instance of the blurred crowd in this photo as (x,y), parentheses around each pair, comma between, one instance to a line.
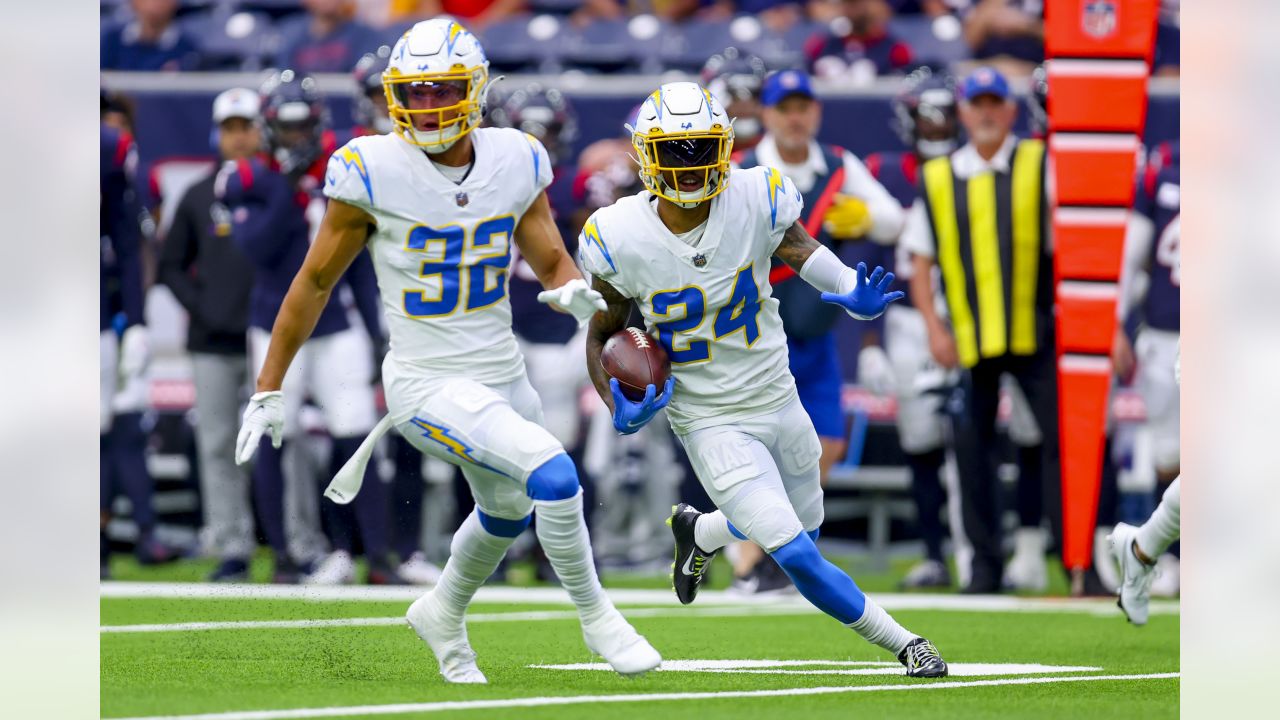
(854,40)
(237,235)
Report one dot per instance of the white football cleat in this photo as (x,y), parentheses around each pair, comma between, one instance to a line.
(336,569)
(447,640)
(417,571)
(1135,586)
(1168,577)
(612,637)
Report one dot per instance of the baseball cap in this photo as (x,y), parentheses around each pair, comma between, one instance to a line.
(236,103)
(985,81)
(784,84)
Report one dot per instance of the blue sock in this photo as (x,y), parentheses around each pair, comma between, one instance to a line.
(828,587)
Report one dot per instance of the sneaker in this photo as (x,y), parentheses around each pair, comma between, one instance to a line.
(765,578)
(927,574)
(230,570)
(691,562)
(1027,571)
(381,572)
(336,569)
(922,659)
(286,572)
(447,639)
(1135,588)
(417,571)
(612,637)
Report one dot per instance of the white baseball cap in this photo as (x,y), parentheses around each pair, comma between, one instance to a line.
(236,103)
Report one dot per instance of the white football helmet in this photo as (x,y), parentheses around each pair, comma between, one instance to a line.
(682,131)
(437,78)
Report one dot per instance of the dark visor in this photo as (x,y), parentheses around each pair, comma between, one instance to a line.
(685,152)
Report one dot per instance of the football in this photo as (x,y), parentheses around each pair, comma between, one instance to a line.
(636,360)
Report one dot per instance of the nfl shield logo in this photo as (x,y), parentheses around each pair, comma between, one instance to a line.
(1099,18)
(699,260)
(461,199)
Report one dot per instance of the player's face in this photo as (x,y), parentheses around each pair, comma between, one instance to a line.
(988,118)
(432,96)
(294,135)
(794,121)
(238,138)
(699,153)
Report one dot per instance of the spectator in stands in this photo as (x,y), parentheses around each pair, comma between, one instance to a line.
(211,278)
(151,41)
(325,39)
(474,14)
(858,43)
(1006,34)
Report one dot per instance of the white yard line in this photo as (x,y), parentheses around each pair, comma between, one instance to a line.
(531,616)
(405,708)
(557,596)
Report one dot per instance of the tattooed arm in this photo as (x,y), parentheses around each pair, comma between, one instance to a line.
(796,246)
(601,327)
(863,297)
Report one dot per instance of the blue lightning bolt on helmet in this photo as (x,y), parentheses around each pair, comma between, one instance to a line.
(436,83)
(682,130)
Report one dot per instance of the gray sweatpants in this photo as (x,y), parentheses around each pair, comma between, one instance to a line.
(224,486)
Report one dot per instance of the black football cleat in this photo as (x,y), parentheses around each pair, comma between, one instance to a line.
(922,659)
(691,563)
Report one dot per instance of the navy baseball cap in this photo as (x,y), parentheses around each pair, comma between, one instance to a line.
(985,81)
(784,84)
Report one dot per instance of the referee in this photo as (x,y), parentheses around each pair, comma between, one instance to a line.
(983,223)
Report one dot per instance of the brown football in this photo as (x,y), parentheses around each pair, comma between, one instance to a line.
(637,360)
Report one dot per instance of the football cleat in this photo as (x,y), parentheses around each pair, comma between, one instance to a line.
(691,562)
(922,659)
(610,636)
(338,568)
(447,640)
(927,574)
(1136,576)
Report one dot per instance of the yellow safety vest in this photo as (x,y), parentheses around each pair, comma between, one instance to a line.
(990,249)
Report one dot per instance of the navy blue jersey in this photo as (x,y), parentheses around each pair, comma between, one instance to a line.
(533,321)
(1157,198)
(122,48)
(270,227)
(120,261)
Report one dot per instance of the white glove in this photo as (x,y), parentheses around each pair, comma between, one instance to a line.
(875,372)
(135,351)
(575,298)
(264,413)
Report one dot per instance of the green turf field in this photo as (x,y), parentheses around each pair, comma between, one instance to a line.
(334,657)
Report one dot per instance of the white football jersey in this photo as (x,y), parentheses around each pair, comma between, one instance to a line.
(441,250)
(710,305)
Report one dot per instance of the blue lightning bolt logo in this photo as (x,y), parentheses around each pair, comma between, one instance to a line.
(456,447)
(775,186)
(591,234)
(351,159)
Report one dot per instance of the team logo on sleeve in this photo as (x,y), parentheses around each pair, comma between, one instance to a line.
(351,159)
(591,234)
(775,186)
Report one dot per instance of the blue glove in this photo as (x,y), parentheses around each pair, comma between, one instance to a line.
(628,415)
(868,298)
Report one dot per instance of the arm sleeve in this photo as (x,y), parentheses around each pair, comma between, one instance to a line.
(785,203)
(887,218)
(262,208)
(917,235)
(177,255)
(347,177)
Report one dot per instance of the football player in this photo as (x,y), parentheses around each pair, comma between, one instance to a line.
(693,250)
(440,204)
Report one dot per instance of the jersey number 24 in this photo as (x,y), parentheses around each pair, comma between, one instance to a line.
(737,314)
(463,267)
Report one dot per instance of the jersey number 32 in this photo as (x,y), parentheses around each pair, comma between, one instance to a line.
(470,265)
